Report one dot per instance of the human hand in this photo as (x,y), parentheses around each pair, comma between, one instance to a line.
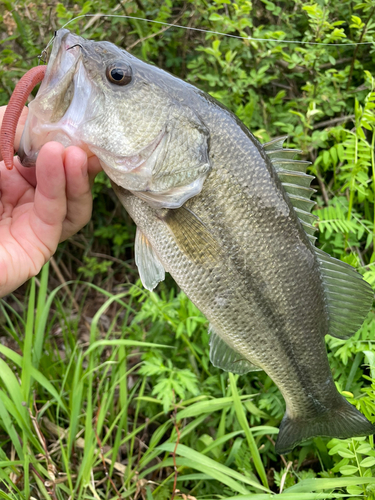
(41,206)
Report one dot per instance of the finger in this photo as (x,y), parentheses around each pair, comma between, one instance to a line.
(93,168)
(20,125)
(28,173)
(15,190)
(50,204)
(78,191)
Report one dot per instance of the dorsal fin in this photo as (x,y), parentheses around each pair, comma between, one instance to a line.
(275,144)
(296,182)
(348,296)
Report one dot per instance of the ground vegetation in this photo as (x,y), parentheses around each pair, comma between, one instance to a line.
(106,390)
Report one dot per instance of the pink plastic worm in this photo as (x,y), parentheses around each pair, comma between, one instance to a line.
(14,109)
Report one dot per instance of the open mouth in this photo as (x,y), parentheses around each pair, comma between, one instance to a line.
(60,105)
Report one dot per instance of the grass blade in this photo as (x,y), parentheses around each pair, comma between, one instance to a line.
(203,461)
(210,471)
(206,407)
(28,345)
(292,496)
(36,374)
(249,436)
(9,428)
(123,342)
(308,485)
(40,308)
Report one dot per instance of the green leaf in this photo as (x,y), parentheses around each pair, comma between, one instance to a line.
(355,490)
(363,449)
(347,470)
(346,453)
(342,445)
(215,17)
(367,462)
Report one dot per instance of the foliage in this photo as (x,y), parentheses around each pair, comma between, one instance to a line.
(124,375)
(93,267)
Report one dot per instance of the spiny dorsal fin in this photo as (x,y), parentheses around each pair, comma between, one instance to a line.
(296,182)
(349,296)
(224,357)
(274,144)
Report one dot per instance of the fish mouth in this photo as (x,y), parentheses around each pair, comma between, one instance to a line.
(71,108)
(61,105)
(67,102)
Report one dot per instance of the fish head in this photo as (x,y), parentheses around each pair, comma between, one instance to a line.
(128,113)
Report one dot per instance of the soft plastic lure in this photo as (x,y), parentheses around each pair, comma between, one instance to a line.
(14,110)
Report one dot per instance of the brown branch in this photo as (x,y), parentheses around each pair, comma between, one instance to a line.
(285,65)
(273,442)
(108,257)
(321,183)
(338,61)
(328,123)
(165,28)
(140,5)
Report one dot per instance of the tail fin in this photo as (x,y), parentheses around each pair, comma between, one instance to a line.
(342,421)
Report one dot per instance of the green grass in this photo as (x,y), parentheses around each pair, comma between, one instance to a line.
(106,390)
(80,418)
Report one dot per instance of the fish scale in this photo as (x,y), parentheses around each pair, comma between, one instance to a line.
(229,218)
(201,287)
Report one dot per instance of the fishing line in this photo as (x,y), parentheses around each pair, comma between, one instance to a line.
(214,32)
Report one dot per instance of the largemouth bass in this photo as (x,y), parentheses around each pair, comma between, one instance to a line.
(229,218)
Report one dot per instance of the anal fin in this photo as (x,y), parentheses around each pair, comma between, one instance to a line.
(224,357)
(151,270)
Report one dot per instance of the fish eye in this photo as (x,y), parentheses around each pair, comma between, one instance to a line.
(119,73)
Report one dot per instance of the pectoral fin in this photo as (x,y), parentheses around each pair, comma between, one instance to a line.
(151,270)
(192,237)
(224,357)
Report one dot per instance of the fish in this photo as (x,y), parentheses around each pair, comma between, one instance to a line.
(229,218)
